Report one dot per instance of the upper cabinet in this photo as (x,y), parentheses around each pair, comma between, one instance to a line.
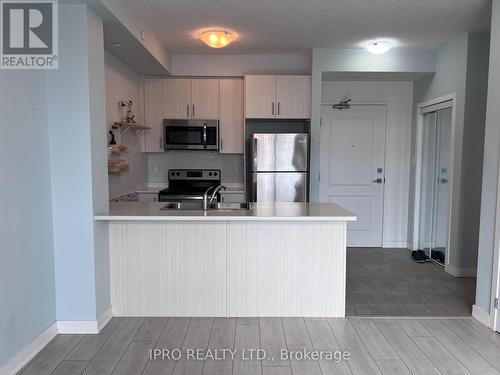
(260,96)
(269,96)
(177,98)
(154,113)
(205,99)
(293,95)
(231,116)
(192,98)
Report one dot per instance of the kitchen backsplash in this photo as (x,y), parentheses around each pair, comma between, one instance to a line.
(231,165)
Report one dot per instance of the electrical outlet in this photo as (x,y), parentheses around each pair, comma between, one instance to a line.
(156,168)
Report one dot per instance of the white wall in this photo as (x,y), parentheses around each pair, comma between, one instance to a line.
(77,133)
(398,96)
(396,61)
(27,291)
(461,65)
(239,65)
(122,83)
(490,169)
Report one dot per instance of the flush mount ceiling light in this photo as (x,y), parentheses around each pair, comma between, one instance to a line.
(378,47)
(217,38)
(117,45)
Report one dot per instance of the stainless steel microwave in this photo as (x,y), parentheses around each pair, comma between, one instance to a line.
(191,134)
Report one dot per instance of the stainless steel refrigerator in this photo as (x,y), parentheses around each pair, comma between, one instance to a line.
(280,171)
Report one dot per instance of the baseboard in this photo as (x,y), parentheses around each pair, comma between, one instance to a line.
(460,272)
(104,319)
(396,244)
(84,326)
(480,315)
(29,352)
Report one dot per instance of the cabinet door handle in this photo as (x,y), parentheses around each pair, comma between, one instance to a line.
(272,112)
(221,144)
(278,108)
(187,110)
(161,143)
(193,110)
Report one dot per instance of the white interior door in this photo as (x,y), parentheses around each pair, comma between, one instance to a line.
(352,168)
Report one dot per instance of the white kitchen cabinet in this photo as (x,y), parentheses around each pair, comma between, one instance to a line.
(231,116)
(270,96)
(293,95)
(205,99)
(192,98)
(177,98)
(153,114)
(260,96)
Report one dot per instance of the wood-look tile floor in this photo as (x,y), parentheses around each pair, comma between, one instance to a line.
(387,282)
(376,346)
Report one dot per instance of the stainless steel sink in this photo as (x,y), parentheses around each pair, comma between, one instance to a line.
(182,206)
(219,206)
(232,206)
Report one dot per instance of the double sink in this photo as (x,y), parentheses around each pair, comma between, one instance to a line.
(219,206)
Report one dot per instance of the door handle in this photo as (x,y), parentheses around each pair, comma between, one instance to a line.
(278,108)
(205,135)
(272,112)
(193,110)
(378,180)
(221,144)
(187,110)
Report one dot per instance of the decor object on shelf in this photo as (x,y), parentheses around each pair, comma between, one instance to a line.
(129,116)
(112,139)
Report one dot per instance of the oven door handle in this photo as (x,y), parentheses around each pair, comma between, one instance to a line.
(205,135)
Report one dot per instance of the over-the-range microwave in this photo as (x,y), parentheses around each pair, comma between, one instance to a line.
(191,134)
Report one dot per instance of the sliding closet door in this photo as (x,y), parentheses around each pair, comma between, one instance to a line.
(441,204)
(434,187)
(427,182)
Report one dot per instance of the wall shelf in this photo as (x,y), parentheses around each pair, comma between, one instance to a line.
(124,127)
(115,149)
(116,166)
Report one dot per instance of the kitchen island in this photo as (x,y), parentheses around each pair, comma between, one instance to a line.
(277,259)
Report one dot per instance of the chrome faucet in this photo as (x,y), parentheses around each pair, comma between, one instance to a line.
(206,201)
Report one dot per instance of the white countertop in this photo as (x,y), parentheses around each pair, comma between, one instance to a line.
(150,211)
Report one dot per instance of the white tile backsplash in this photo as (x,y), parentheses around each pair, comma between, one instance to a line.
(231,165)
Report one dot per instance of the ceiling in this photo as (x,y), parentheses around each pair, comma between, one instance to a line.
(297,26)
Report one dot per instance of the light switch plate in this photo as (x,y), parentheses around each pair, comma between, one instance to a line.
(156,168)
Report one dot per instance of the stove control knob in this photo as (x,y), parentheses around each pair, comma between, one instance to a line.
(173,173)
(215,173)
(210,173)
(178,174)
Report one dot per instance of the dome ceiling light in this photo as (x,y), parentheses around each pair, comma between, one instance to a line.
(217,38)
(379,47)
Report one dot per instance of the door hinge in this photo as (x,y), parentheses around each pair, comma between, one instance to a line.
(495,305)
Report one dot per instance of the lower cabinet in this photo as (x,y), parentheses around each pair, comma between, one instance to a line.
(228,268)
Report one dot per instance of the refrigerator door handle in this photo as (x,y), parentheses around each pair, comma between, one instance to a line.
(254,154)
(254,187)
